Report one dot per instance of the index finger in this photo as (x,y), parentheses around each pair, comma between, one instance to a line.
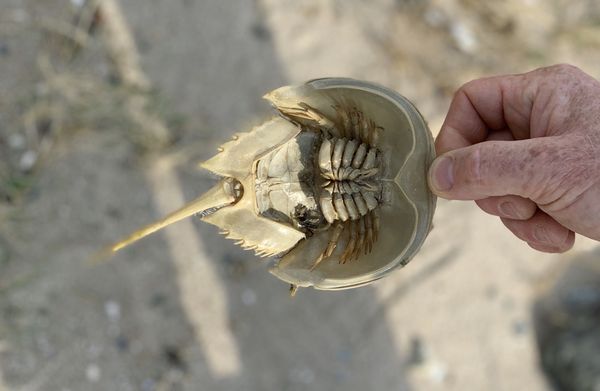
(483,106)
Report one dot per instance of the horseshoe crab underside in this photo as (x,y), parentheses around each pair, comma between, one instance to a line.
(334,188)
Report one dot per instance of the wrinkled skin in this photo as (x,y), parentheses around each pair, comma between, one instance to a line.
(526,148)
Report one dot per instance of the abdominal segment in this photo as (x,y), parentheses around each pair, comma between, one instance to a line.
(350,186)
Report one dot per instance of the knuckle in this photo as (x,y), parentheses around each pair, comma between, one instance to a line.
(562,69)
(467,87)
(460,92)
(560,77)
(566,68)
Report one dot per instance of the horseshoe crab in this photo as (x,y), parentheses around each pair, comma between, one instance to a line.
(334,187)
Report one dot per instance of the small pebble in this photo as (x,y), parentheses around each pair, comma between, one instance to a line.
(437,373)
(113,310)
(92,373)
(28,160)
(464,38)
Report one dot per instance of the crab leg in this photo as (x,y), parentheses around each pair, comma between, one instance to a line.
(369,237)
(351,242)
(375,218)
(344,119)
(333,240)
(360,239)
(309,116)
(365,130)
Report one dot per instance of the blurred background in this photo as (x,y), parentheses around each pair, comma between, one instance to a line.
(107,106)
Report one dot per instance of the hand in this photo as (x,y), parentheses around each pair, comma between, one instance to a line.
(526,148)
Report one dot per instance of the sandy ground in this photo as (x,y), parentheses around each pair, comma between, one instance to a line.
(187,310)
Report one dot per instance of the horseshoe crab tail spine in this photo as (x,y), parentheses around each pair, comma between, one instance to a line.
(227,192)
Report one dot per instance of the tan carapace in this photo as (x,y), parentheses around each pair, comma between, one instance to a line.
(313,185)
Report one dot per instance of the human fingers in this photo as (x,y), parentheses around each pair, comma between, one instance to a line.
(509,206)
(542,233)
(531,169)
(484,106)
(533,104)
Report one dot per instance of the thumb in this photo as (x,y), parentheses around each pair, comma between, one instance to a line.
(495,168)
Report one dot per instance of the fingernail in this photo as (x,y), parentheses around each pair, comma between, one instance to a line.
(551,237)
(442,174)
(540,234)
(507,209)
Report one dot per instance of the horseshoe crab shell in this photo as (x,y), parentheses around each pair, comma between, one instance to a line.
(335,188)
(408,206)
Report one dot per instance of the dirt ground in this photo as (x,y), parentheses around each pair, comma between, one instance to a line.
(188,310)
